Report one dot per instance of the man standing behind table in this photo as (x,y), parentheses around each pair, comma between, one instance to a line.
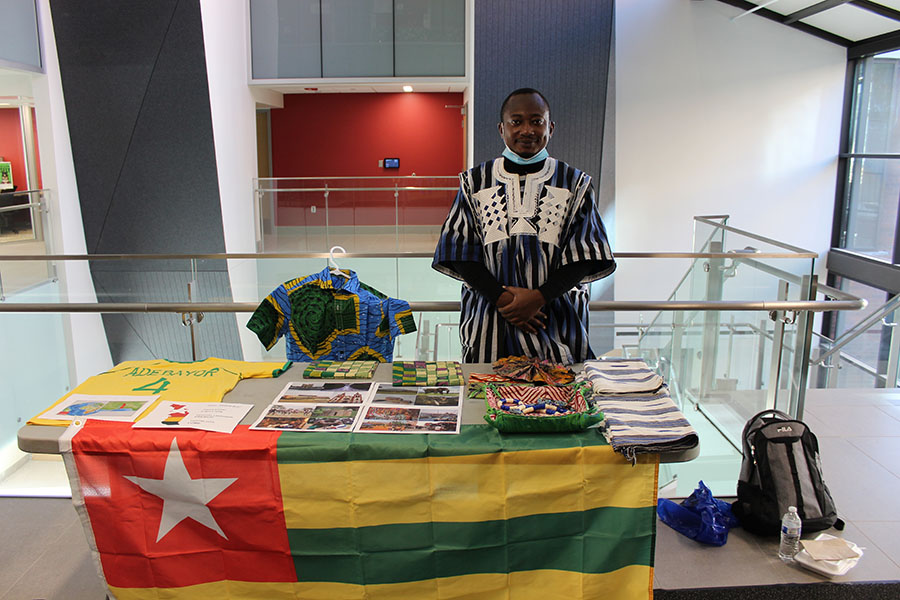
(525,236)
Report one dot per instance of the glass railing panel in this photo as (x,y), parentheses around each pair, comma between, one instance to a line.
(361,214)
(34,369)
(22,226)
(863,361)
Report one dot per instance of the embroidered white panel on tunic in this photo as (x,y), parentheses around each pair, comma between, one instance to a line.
(492,209)
(552,213)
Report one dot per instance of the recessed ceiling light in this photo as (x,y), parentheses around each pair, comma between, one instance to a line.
(407,88)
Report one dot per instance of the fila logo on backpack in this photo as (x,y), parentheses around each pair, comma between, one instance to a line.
(781,468)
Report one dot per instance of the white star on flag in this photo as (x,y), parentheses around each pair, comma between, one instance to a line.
(182,496)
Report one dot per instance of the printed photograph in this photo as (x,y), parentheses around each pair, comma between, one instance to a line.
(329,424)
(395,390)
(377,413)
(331,386)
(281,423)
(95,406)
(402,399)
(438,421)
(423,399)
(100,409)
(322,397)
(334,412)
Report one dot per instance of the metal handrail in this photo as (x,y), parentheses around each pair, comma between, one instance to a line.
(438,306)
(359,189)
(858,329)
(20,207)
(311,178)
(273,255)
(754,236)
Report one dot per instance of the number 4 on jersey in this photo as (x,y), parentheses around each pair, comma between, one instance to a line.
(155,387)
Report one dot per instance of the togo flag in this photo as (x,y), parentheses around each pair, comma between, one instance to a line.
(279,515)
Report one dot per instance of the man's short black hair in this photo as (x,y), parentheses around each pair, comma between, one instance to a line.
(520,92)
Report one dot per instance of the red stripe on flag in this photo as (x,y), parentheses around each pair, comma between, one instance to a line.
(236,490)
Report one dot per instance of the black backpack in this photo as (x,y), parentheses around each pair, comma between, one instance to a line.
(781,468)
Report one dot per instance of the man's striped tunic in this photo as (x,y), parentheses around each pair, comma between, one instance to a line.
(522,228)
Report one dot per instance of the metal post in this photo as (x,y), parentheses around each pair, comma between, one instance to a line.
(31,170)
(777,349)
(714,282)
(894,354)
(676,363)
(396,217)
(831,370)
(327,225)
(188,319)
(802,349)
(760,355)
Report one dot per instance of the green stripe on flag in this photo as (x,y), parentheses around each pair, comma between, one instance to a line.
(303,447)
(594,541)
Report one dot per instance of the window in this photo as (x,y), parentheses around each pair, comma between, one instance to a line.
(872,179)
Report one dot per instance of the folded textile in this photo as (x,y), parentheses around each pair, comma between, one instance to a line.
(427,373)
(645,423)
(522,368)
(621,376)
(478,383)
(338,369)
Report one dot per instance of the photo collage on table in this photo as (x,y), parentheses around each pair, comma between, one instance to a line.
(424,409)
(316,406)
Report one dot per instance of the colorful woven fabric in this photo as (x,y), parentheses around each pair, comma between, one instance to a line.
(336,369)
(352,516)
(522,368)
(427,373)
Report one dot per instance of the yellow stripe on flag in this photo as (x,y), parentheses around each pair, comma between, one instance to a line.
(471,488)
(624,584)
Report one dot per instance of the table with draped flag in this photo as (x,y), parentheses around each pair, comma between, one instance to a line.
(199,515)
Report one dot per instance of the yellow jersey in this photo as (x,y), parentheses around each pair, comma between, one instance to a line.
(202,381)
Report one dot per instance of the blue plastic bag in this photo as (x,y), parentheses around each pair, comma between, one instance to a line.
(701,516)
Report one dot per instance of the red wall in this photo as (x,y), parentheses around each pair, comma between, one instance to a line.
(347,134)
(11,145)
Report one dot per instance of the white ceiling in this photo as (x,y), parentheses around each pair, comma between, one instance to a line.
(854,21)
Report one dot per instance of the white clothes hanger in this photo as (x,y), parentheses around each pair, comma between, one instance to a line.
(335,269)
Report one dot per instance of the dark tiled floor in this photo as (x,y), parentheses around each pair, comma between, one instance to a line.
(44,553)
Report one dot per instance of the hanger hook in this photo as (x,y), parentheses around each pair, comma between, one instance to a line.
(331,260)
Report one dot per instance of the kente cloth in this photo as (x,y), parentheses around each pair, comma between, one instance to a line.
(621,376)
(337,369)
(645,423)
(202,381)
(354,516)
(427,373)
(332,316)
(522,368)
(521,230)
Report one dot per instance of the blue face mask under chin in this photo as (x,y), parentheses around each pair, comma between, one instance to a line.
(542,155)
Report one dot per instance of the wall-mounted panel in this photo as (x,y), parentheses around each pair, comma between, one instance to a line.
(286,38)
(357,38)
(19,42)
(429,38)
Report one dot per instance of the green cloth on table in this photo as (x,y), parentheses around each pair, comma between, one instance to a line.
(427,373)
(338,369)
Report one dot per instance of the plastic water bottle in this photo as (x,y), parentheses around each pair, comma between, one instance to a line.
(790,534)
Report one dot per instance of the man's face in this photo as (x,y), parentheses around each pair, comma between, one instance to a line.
(526,126)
